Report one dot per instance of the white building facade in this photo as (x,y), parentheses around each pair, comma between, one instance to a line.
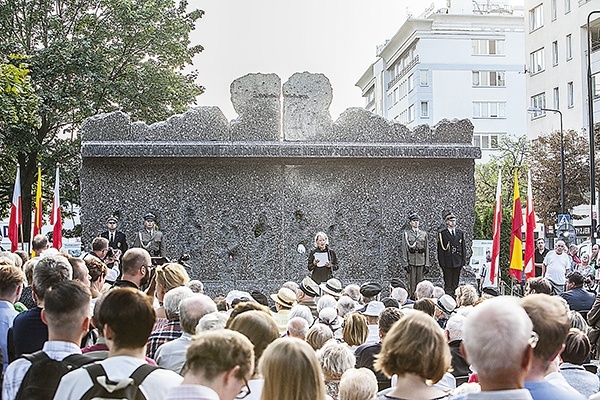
(459,59)
(556,52)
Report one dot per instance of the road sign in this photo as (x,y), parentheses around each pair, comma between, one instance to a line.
(564,219)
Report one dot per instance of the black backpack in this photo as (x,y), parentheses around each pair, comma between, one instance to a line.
(128,388)
(42,379)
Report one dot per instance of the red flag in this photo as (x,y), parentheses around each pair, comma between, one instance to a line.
(55,217)
(516,245)
(16,214)
(37,220)
(492,280)
(529,228)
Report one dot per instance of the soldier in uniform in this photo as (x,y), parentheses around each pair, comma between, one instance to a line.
(116,239)
(150,238)
(415,252)
(451,253)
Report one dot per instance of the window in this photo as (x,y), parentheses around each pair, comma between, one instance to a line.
(489,78)
(424,109)
(596,86)
(536,18)
(539,101)
(423,76)
(537,61)
(553,9)
(570,99)
(555,53)
(411,83)
(569,48)
(489,109)
(411,113)
(486,141)
(555,94)
(567,6)
(487,46)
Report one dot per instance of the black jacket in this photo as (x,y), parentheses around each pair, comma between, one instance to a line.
(451,249)
(322,274)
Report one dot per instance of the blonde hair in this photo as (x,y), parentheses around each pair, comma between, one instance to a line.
(171,275)
(466,295)
(355,329)
(291,371)
(415,344)
(358,384)
(335,358)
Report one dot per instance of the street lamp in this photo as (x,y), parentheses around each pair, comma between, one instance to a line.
(562,154)
(591,129)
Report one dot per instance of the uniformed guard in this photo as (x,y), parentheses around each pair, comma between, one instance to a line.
(451,253)
(415,252)
(150,238)
(116,238)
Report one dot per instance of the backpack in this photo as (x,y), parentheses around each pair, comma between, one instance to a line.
(127,388)
(42,379)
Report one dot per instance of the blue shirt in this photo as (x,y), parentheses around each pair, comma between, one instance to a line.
(547,391)
(29,332)
(7,315)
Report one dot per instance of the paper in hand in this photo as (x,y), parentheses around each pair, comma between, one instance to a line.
(323,258)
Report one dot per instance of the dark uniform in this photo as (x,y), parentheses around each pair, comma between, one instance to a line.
(451,255)
(116,239)
(415,254)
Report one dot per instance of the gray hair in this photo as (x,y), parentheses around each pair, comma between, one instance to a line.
(173,299)
(358,384)
(212,322)
(400,294)
(303,312)
(192,309)
(424,290)
(326,301)
(293,286)
(353,291)
(196,286)
(438,292)
(335,358)
(495,336)
(454,327)
(297,327)
(318,335)
(323,235)
(345,305)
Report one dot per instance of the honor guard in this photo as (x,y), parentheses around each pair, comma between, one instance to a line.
(415,252)
(150,238)
(451,253)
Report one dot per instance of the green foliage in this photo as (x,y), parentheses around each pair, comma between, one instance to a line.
(86,57)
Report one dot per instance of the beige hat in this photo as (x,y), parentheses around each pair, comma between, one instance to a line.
(332,287)
(309,287)
(285,297)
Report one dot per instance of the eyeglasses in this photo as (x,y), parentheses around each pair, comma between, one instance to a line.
(244,391)
(111,223)
(534,339)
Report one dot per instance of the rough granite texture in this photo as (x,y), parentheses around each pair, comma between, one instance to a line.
(242,208)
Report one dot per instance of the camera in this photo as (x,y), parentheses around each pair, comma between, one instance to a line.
(110,253)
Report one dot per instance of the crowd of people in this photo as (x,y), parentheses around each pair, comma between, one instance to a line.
(77,328)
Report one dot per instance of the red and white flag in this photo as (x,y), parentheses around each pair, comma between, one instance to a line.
(491,279)
(16,214)
(55,217)
(529,228)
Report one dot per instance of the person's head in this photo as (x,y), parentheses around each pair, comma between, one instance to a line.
(196,286)
(149,221)
(326,301)
(259,327)
(466,295)
(414,221)
(560,247)
(100,246)
(595,250)
(438,292)
(573,249)
(577,347)
(574,280)
(66,311)
(424,290)
(454,327)
(23,255)
(415,345)
(291,371)
(335,358)
(96,268)
(170,276)
(128,317)
(111,224)
(387,319)
(192,309)
(426,305)
(585,259)
(28,269)
(497,339)
(345,305)
(352,291)
(358,384)
(48,272)
(450,219)
(302,312)
(317,335)
(541,244)
(370,291)
(355,329)
(11,283)
(173,300)
(297,327)
(293,286)
(538,285)
(212,322)
(321,240)
(578,321)
(285,299)
(550,321)
(136,264)
(39,244)
(400,294)
(80,271)
(222,360)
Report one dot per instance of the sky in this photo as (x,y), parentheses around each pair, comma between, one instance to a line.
(335,37)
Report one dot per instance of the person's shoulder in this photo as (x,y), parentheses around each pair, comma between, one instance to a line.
(549,391)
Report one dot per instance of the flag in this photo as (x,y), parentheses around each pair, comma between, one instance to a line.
(16,214)
(37,220)
(55,217)
(516,245)
(491,279)
(529,228)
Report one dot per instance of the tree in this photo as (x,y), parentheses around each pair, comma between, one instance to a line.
(88,57)
(546,176)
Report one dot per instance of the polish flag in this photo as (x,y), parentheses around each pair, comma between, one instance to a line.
(492,277)
(16,214)
(55,217)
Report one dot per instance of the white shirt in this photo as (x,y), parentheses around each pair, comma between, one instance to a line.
(191,392)
(171,355)
(76,383)
(373,336)
(557,267)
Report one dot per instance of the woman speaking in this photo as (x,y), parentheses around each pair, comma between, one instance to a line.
(322,261)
